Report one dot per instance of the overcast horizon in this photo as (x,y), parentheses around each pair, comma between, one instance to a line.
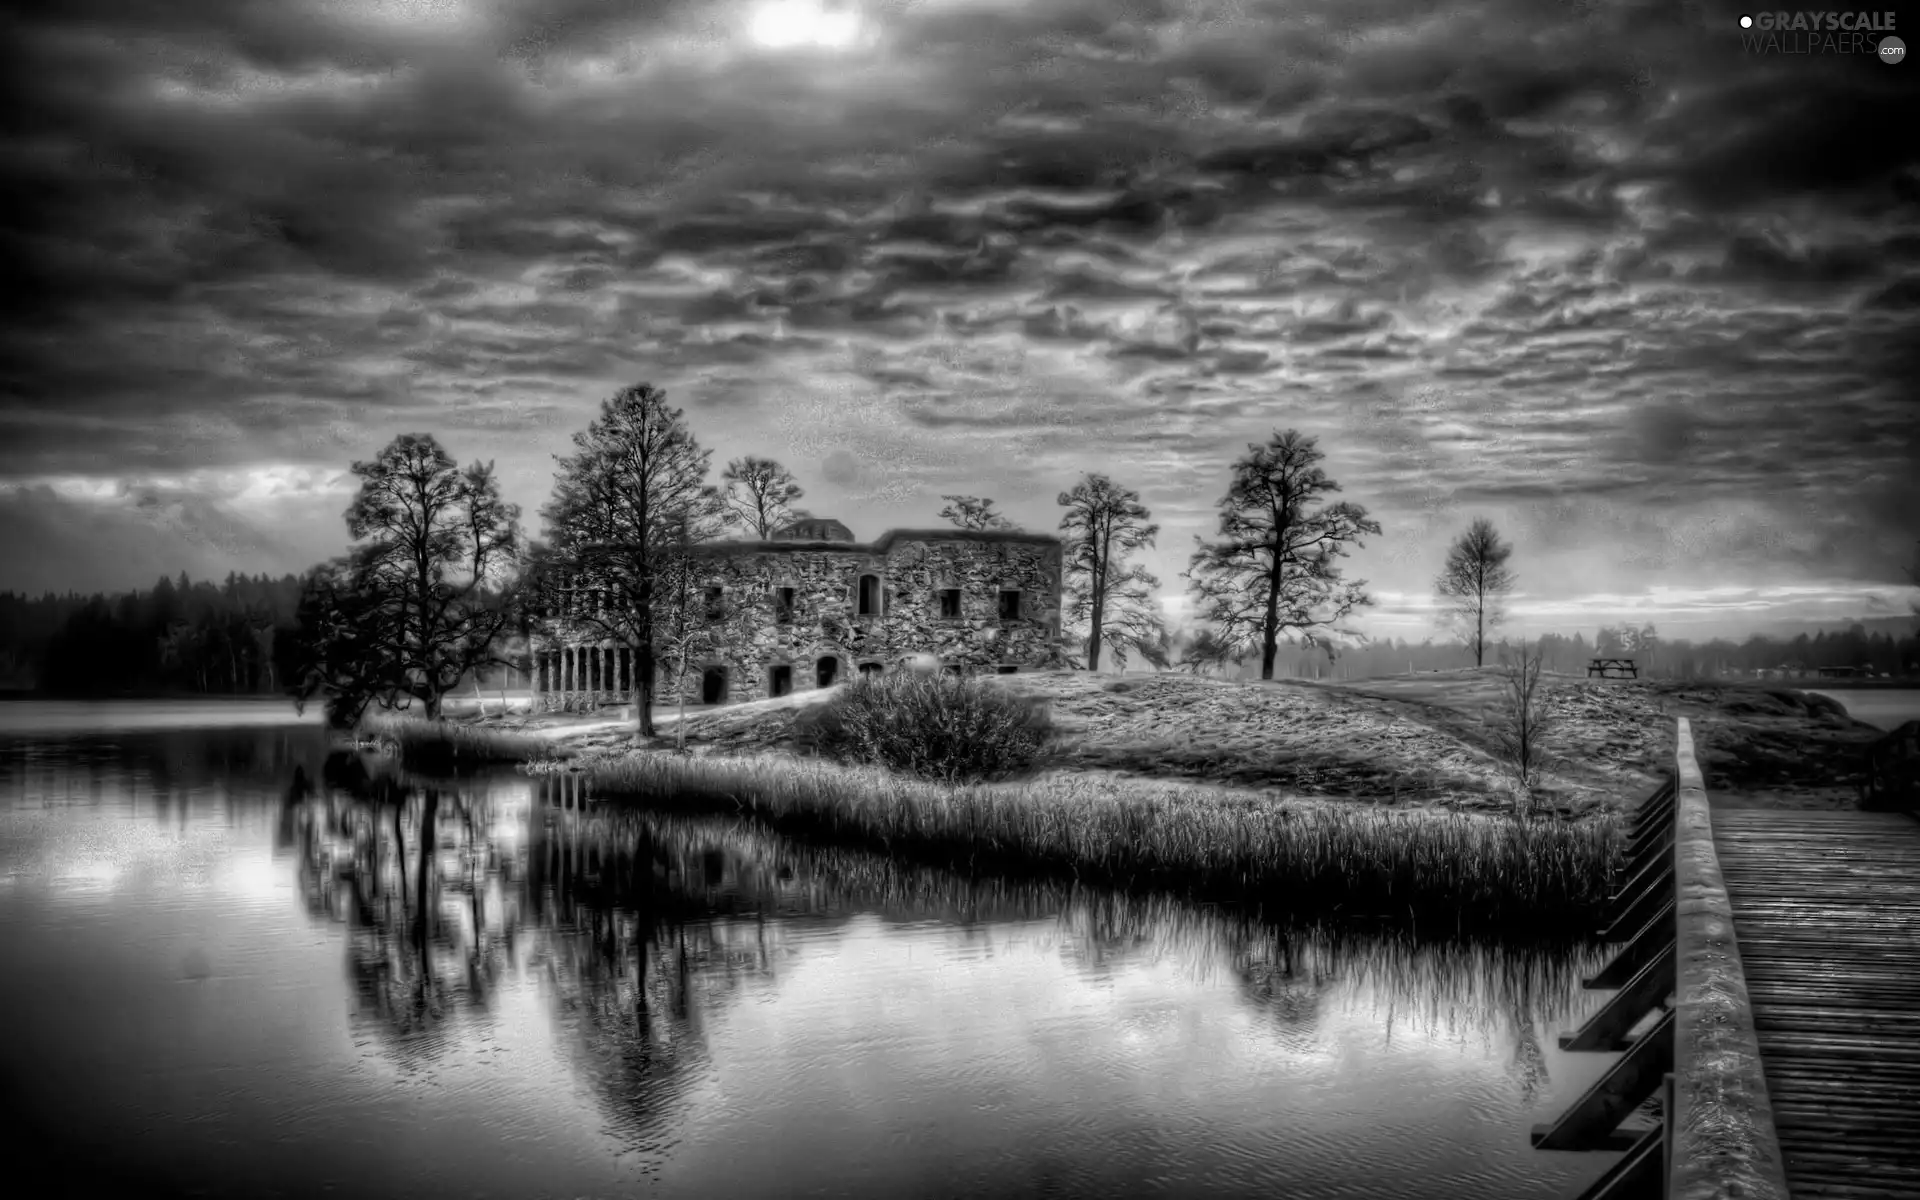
(1647,301)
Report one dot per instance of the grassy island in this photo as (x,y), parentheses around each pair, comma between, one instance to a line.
(1381,796)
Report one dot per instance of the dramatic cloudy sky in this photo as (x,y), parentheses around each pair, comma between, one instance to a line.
(1650,302)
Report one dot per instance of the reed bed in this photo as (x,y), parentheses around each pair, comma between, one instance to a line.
(1324,859)
(432,746)
(1492,983)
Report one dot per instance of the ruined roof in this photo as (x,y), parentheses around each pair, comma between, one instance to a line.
(813,529)
(1014,536)
(885,541)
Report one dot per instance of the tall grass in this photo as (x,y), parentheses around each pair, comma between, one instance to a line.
(1454,870)
(927,725)
(440,746)
(1489,981)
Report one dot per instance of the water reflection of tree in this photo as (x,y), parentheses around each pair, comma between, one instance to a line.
(1287,970)
(442,891)
(172,770)
(642,924)
(408,867)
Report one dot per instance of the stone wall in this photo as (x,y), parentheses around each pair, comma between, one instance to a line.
(910,569)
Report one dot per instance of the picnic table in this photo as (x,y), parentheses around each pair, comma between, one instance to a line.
(1613,668)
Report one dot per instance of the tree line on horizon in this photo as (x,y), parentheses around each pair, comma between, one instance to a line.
(440,583)
(180,635)
(141,641)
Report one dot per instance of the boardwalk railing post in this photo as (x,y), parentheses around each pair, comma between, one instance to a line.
(1643,971)
(1666,1135)
(1829,910)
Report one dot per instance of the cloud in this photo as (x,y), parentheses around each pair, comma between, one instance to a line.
(1648,298)
(133,536)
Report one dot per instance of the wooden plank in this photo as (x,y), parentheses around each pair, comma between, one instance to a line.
(1636,882)
(1625,1086)
(1826,910)
(1607,1029)
(1655,936)
(1636,1175)
(1656,891)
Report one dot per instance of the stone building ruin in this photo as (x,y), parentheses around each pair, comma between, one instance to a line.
(812,607)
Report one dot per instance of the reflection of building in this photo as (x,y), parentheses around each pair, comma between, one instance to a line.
(809,607)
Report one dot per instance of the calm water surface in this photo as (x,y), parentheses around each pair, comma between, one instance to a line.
(215,984)
(1887,708)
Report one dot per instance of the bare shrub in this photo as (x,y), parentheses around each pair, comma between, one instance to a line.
(1521,722)
(933,726)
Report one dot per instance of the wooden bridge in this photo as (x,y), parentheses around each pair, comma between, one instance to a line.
(1767,987)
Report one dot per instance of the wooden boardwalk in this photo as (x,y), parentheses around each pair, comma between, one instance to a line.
(1826,910)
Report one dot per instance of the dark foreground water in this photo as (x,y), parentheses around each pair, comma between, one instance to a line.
(214,983)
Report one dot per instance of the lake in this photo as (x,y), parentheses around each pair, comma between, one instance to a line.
(1885,708)
(219,983)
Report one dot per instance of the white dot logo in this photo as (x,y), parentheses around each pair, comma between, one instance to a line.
(1746,22)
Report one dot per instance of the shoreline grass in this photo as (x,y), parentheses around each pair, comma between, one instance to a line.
(1205,844)
(430,746)
(1491,977)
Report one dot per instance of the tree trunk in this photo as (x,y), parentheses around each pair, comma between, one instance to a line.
(1270,628)
(429,841)
(1099,581)
(400,846)
(1093,639)
(1480,633)
(643,692)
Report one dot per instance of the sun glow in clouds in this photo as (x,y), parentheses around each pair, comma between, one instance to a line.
(786,24)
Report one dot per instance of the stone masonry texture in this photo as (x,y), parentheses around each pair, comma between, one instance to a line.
(826,627)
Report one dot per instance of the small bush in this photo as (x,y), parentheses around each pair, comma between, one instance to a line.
(932,726)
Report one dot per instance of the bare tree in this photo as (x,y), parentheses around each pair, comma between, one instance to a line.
(633,488)
(1275,570)
(688,622)
(1473,583)
(1104,522)
(973,512)
(342,650)
(425,594)
(759,495)
(1521,721)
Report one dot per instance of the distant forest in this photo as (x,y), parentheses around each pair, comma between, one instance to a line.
(230,639)
(178,636)
(1879,652)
